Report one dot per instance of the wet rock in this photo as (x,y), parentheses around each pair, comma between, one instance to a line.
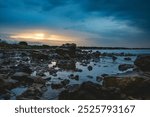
(37,55)
(135,87)
(99,78)
(96,54)
(91,91)
(75,77)
(7,84)
(66,64)
(124,67)
(22,77)
(89,76)
(143,62)
(33,92)
(39,80)
(67,50)
(104,75)
(57,86)
(90,68)
(5,70)
(127,59)
(22,68)
(78,70)
(65,82)
(114,58)
(6,96)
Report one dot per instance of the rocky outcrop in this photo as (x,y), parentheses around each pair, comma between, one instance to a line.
(66,64)
(143,62)
(112,88)
(124,67)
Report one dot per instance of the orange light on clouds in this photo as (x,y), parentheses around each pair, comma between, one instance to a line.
(26,36)
(42,37)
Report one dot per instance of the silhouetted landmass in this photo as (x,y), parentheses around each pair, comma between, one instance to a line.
(25,45)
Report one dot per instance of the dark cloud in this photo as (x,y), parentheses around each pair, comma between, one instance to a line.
(116,19)
(136,11)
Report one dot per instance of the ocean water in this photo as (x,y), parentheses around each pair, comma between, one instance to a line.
(105,65)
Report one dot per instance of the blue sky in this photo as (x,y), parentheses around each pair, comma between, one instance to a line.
(85,22)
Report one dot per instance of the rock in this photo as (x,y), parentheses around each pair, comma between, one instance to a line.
(127,59)
(39,80)
(22,77)
(104,75)
(91,91)
(66,64)
(67,49)
(7,84)
(33,92)
(75,77)
(96,54)
(143,62)
(99,78)
(65,82)
(57,86)
(90,68)
(37,55)
(124,67)
(114,58)
(22,68)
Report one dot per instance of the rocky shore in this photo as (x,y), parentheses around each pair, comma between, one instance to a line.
(54,73)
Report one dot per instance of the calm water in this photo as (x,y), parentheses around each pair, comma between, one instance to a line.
(126,51)
(105,65)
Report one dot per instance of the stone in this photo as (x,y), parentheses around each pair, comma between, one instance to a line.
(99,78)
(143,62)
(75,77)
(124,67)
(66,64)
(65,82)
(90,68)
(91,91)
(22,77)
(127,59)
(57,86)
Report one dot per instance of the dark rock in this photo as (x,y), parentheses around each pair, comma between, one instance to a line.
(39,80)
(114,58)
(143,62)
(65,82)
(33,92)
(75,77)
(57,86)
(99,78)
(104,75)
(124,67)
(66,64)
(96,54)
(22,68)
(39,56)
(90,68)
(91,91)
(67,49)
(89,76)
(22,77)
(127,59)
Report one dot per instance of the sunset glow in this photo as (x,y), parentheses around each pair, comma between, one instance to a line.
(42,37)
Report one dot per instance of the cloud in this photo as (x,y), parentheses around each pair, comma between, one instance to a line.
(103,20)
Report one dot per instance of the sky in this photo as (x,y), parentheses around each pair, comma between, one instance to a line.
(103,23)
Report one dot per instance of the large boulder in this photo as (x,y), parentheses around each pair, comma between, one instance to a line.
(67,49)
(22,77)
(91,91)
(66,64)
(124,67)
(143,62)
